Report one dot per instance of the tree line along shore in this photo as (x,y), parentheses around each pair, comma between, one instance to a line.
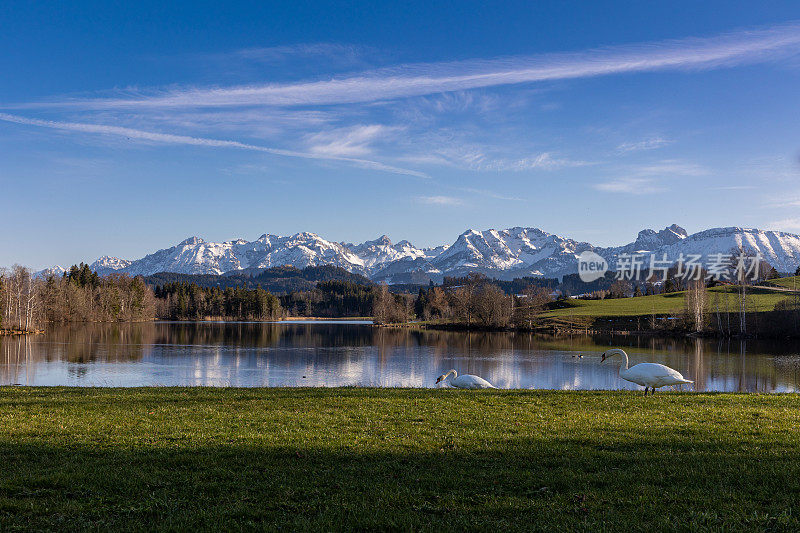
(768,307)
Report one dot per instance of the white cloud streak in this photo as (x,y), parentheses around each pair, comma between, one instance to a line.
(786,200)
(476,158)
(722,51)
(670,167)
(630,186)
(733,188)
(351,142)
(167,138)
(280,54)
(440,200)
(647,144)
(786,224)
(492,194)
(544,161)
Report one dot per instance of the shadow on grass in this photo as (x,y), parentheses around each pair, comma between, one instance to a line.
(662,483)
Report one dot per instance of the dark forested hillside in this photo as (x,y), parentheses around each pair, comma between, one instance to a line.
(277,280)
(189,301)
(332,299)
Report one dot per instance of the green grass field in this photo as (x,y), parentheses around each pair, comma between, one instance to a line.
(365,459)
(792,282)
(759,299)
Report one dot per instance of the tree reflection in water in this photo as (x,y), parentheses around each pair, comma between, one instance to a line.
(336,354)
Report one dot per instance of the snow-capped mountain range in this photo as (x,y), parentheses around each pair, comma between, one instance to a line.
(505,254)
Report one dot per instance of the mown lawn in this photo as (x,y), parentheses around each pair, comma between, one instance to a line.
(792,282)
(344,459)
(758,299)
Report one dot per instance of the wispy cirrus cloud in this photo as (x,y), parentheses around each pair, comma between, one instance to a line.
(722,51)
(313,119)
(647,178)
(786,224)
(440,200)
(292,60)
(630,186)
(769,168)
(484,159)
(733,188)
(349,142)
(646,144)
(491,194)
(669,168)
(783,201)
(544,161)
(167,138)
(280,54)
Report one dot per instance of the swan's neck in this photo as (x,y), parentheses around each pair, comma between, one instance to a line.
(626,361)
(452,373)
(624,367)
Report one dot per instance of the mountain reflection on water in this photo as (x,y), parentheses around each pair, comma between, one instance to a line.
(339,354)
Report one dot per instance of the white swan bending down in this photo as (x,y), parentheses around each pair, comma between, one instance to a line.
(649,375)
(467,381)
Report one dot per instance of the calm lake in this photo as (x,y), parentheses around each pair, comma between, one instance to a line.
(331,354)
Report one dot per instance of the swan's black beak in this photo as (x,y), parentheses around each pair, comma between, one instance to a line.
(438,380)
(603,358)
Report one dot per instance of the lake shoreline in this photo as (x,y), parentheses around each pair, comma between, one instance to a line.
(276,321)
(19,332)
(623,325)
(568,332)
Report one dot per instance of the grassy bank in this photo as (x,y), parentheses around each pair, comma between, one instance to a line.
(791,283)
(331,459)
(758,299)
(667,313)
(663,314)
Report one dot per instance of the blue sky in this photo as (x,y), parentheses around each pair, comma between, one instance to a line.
(126,128)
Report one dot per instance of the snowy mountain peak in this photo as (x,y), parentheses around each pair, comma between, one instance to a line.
(677,230)
(649,239)
(106,264)
(379,252)
(780,250)
(55,271)
(501,253)
(191,241)
(383,240)
(305,235)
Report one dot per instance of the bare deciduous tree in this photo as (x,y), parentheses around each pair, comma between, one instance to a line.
(696,299)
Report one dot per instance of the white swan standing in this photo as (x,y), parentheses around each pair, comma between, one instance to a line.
(467,381)
(648,375)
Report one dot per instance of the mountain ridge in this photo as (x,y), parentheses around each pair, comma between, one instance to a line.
(501,253)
